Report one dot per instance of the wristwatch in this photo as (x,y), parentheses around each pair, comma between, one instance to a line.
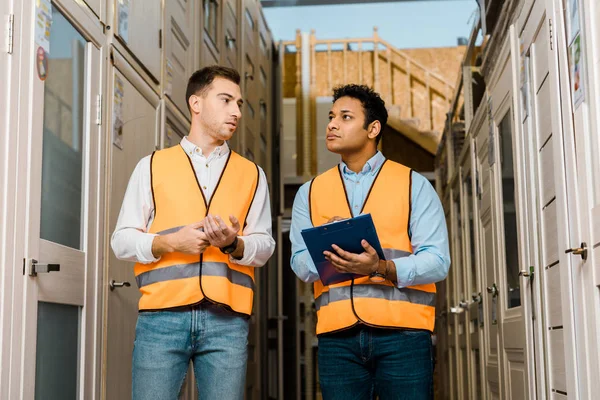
(230,248)
(377,276)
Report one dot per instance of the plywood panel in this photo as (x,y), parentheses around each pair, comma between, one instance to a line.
(547,172)
(549,234)
(544,120)
(138,26)
(230,27)
(558,380)
(541,56)
(553,296)
(179,53)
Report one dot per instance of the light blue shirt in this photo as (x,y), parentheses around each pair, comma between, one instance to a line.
(430,260)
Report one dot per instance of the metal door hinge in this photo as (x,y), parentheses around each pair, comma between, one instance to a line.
(550,32)
(99,109)
(10,38)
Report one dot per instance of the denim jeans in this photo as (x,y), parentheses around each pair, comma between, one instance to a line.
(214,339)
(365,362)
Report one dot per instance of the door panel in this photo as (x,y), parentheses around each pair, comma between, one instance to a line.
(547,204)
(211,32)
(138,27)
(179,52)
(138,108)
(97,7)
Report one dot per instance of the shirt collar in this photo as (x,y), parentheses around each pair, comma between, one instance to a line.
(371,166)
(191,149)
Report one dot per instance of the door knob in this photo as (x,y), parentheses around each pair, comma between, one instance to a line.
(580,251)
(114,284)
(493,290)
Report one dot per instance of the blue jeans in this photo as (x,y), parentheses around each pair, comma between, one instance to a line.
(214,339)
(363,362)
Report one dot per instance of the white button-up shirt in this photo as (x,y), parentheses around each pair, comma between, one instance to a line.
(131,240)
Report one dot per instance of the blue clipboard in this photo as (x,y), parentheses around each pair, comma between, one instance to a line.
(348,235)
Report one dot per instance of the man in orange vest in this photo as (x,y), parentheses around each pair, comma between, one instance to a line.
(196,271)
(375,330)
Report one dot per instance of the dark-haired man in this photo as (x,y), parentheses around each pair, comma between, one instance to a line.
(195,270)
(374,331)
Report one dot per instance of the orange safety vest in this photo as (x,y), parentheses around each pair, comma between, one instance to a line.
(345,304)
(179,279)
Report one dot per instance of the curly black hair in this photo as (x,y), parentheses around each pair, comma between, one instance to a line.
(372,103)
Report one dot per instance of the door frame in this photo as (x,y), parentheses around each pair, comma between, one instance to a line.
(11,183)
(29,201)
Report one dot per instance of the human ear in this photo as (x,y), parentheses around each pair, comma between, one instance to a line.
(374,129)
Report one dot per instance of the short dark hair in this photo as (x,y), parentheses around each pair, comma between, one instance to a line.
(202,79)
(372,103)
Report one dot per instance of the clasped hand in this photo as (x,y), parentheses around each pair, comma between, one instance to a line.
(211,231)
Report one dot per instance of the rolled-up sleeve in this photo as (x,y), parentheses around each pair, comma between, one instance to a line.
(259,244)
(301,262)
(131,240)
(430,260)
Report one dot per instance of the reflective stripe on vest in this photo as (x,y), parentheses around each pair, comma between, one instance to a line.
(179,279)
(344,304)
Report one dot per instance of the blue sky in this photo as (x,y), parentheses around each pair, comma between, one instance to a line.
(404,24)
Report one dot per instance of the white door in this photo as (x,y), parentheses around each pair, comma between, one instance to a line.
(459,306)
(64,230)
(179,50)
(487,261)
(135,118)
(452,362)
(472,291)
(555,358)
(514,305)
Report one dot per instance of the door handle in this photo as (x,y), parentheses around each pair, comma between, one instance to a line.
(493,290)
(527,274)
(463,304)
(229,40)
(114,284)
(580,251)
(456,310)
(37,268)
